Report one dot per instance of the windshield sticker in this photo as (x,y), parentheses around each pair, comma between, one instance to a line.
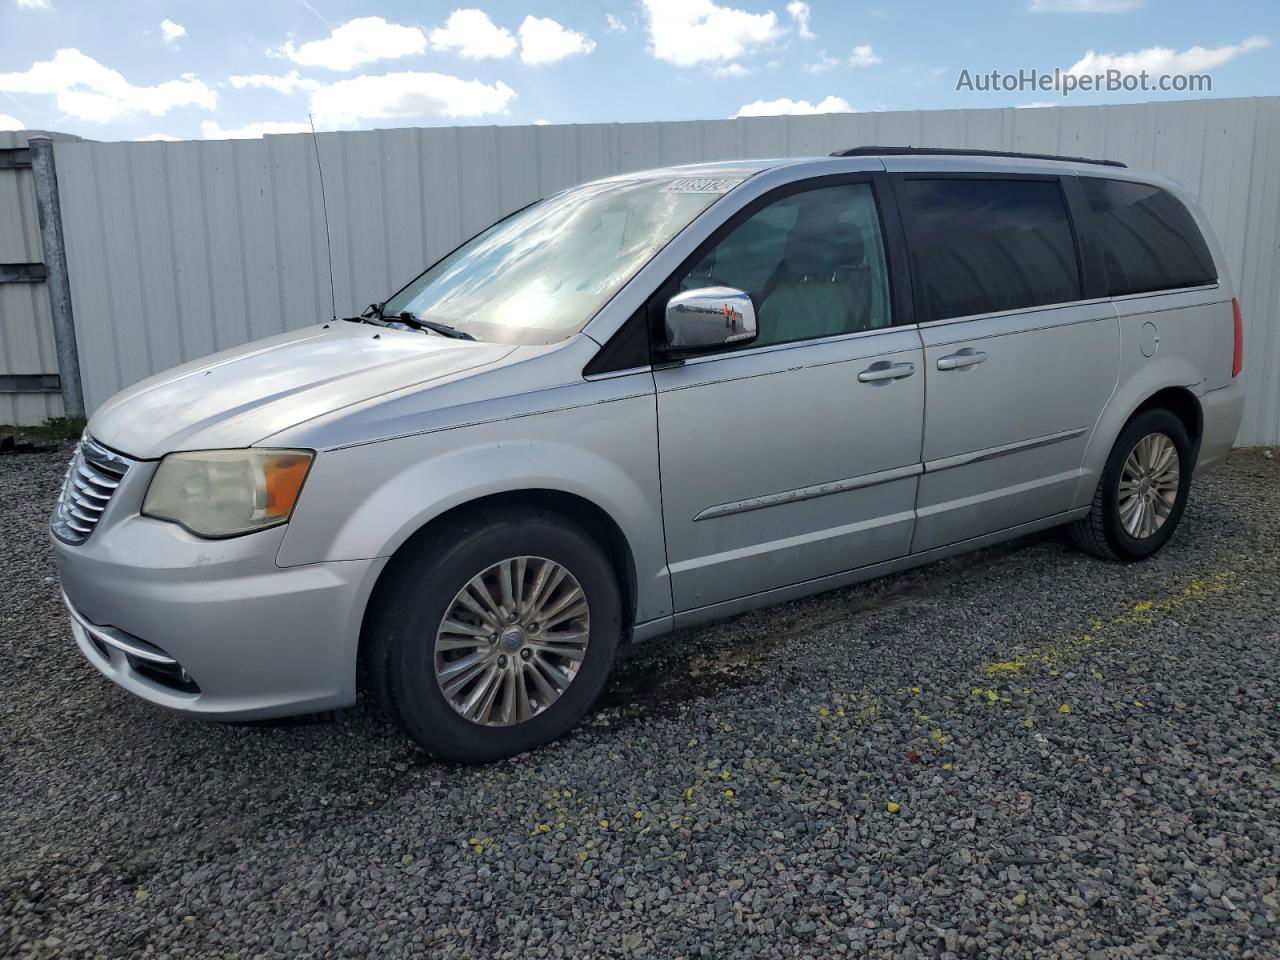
(702,185)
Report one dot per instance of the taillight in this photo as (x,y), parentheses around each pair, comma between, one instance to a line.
(1237,351)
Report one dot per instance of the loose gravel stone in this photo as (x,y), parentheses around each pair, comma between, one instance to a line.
(883,771)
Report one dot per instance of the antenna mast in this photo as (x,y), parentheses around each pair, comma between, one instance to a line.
(324,205)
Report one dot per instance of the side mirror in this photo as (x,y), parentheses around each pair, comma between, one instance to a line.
(709,317)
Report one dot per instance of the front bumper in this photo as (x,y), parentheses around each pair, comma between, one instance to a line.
(246,639)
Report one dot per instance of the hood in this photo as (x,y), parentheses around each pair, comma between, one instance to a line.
(237,398)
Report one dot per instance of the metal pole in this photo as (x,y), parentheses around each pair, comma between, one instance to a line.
(58,282)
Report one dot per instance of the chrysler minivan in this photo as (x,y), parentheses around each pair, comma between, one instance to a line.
(642,404)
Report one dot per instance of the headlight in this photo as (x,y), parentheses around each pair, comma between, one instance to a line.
(223,493)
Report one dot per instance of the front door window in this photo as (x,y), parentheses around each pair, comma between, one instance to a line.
(812,262)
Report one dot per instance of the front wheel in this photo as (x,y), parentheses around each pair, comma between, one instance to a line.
(496,635)
(1143,490)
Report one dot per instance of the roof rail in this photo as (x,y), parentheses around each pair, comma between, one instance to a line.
(961,152)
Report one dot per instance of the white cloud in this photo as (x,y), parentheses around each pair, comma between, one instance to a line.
(8,122)
(823,63)
(543,40)
(35,4)
(615,23)
(473,35)
(540,122)
(87,90)
(1158,60)
(689,32)
(407,95)
(362,40)
(163,137)
(784,105)
(172,32)
(1083,6)
(864,56)
(280,83)
(1034,105)
(799,11)
(730,71)
(212,130)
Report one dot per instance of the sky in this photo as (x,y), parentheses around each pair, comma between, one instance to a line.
(173,69)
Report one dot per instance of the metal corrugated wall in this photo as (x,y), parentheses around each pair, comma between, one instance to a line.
(179,249)
(26,335)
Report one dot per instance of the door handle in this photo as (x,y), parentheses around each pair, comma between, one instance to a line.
(882,370)
(962,359)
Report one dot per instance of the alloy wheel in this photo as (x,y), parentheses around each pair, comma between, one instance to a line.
(1149,485)
(512,641)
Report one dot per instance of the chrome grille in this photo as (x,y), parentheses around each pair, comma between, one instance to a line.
(91,479)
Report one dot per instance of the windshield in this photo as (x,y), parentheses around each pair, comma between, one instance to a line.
(541,274)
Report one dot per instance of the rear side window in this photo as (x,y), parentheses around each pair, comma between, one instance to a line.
(1148,240)
(981,246)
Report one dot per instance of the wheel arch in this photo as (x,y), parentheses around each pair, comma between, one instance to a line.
(588,516)
(1173,394)
(1182,403)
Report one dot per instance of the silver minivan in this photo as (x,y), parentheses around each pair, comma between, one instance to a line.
(642,404)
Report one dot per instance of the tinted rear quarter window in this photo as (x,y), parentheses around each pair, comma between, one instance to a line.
(1148,240)
(987,245)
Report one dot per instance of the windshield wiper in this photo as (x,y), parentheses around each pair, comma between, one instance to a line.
(435,326)
(373,314)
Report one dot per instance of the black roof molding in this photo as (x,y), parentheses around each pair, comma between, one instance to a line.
(961,152)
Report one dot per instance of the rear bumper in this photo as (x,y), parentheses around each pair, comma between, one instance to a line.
(214,628)
(1222,410)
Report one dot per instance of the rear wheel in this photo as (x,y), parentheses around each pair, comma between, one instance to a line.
(496,635)
(1142,492)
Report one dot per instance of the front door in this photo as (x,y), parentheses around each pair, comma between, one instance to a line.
(1017,368)
(796,456)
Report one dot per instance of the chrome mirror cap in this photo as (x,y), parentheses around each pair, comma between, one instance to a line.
(709,317)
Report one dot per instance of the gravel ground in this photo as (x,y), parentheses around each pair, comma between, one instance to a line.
(1019,752)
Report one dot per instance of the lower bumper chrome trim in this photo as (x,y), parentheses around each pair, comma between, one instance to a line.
(125,643)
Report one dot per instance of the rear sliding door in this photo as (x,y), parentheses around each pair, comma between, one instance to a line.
(1018,365)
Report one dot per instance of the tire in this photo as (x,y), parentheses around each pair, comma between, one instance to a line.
(403,634)
(1103,532)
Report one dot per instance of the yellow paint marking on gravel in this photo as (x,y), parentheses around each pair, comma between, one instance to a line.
(1050,655)
(1013,666)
